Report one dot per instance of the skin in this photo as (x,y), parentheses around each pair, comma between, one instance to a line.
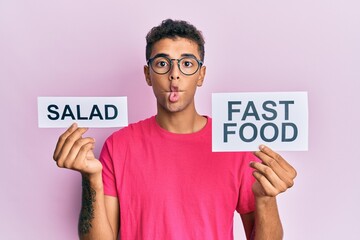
(99,217)
(179,116)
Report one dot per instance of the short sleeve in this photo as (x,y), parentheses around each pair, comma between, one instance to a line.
(108,175)
(246,200)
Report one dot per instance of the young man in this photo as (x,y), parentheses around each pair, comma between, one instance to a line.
(158,178)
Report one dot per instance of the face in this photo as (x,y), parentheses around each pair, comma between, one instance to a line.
(175,90)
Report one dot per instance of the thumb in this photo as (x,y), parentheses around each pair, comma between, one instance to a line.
(90,154)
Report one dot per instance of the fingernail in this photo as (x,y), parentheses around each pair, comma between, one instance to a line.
(261,147)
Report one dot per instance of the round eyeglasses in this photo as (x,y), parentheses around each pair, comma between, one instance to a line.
(188,65)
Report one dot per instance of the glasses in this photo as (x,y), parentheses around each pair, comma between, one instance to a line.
(188,65)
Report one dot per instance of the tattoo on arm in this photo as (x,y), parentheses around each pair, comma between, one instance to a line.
(87,209)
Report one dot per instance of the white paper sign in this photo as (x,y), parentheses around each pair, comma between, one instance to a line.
(100,112)
(243,121)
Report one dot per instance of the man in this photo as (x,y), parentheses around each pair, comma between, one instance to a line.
(158,178)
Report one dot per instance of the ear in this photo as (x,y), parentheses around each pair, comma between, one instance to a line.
(201,78)
(147,75)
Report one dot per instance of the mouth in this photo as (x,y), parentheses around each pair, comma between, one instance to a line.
(174,90)
(174,94)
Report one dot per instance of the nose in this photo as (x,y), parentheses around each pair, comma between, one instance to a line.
(174,71)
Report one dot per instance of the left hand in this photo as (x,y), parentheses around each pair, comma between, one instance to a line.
(273,175)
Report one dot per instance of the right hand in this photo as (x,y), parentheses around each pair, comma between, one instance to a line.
(75,152)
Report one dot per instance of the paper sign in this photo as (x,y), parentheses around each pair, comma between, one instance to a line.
(100,112)
(243,121)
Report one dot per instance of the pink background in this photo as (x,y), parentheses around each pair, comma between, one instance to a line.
(97,48)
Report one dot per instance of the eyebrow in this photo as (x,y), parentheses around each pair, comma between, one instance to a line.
(168,56)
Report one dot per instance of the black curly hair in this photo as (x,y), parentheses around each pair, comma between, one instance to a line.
(171,29)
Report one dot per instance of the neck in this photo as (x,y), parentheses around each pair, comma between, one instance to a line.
(187,121)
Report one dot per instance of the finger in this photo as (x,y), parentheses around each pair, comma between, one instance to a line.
(270,175)
(268,188)
(285,176)
(68,160)
(269,156)
(62,139)
(273,164)
(269,161)
(80,162)
(69,142)
(90,154)
(78,145)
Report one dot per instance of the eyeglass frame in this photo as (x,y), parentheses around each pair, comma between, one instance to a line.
(200,63)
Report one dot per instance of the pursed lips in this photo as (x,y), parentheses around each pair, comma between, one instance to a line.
(174,89)
(174,94)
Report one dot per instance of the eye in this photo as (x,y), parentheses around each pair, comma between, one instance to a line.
(161,64)
(188,64)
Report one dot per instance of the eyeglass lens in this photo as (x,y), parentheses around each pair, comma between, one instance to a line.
(162,65)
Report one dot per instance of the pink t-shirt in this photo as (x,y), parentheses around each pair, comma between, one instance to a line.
(172,186)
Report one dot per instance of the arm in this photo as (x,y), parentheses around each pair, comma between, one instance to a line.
(99,213)
(270,217)
(248,221)
(267,220)
(273,176)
